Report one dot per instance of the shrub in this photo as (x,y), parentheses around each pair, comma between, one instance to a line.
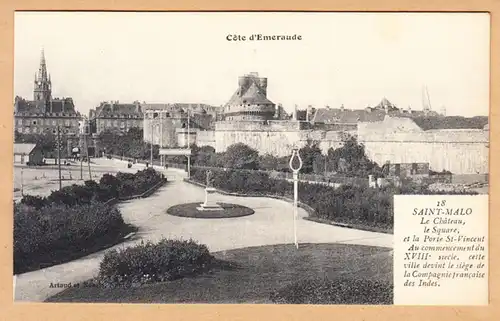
(148,262)
(338,291)
(111,184)
(57,232)
(35,201)
(72,195)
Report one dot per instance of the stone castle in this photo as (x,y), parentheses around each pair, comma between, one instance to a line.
(388,133)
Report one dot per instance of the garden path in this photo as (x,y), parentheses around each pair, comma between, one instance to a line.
(272,223)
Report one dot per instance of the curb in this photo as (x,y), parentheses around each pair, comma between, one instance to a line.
(147,193)
(351,226)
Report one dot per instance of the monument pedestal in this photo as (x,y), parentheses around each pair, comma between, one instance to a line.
(210,204)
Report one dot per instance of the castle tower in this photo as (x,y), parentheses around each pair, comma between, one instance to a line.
(42,92)
(250,102)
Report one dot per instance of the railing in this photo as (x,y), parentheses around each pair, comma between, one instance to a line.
(306,178)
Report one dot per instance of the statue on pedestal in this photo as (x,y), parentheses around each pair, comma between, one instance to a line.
(210,204)
(210,179)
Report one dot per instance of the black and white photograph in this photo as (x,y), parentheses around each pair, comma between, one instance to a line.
(251,157)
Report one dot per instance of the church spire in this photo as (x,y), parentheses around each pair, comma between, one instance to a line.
(43,85)
(42,70)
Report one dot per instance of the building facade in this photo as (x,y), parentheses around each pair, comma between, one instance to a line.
(166,125)
(115,116)
(44,114)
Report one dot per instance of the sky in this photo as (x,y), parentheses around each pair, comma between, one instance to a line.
(350,59)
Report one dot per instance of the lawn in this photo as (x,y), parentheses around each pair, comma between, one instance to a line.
(255,273)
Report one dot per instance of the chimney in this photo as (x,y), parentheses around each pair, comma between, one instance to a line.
(342,107)
(308,111)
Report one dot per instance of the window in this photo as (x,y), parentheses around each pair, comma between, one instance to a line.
(20,122)
(54,122)
(414,168)
(34,122)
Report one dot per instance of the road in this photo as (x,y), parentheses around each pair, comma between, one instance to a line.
(41,181)
(272,223)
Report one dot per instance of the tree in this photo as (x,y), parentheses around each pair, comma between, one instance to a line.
(268,162)
(241,156)
(309,153)
(351,160)
(204,156)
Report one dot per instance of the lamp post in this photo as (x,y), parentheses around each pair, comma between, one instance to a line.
(58,132)
(188,141)
(22,183)
(151,150)
(161,137)
(295,170)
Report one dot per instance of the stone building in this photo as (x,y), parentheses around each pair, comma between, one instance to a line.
(116,116)
(347,119)
(249,101)
(167,124)
(43,114)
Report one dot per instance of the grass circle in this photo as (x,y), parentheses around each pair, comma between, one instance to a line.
(228,211)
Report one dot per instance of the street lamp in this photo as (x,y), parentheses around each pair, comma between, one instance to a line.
(295,170)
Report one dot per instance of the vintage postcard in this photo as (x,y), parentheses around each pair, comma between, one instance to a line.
(246,157)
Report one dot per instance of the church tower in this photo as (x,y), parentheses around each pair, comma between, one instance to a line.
(42,92)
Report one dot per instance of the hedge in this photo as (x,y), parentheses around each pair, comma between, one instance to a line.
(351,204)
(148,262)
(109,186)
(57,233)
